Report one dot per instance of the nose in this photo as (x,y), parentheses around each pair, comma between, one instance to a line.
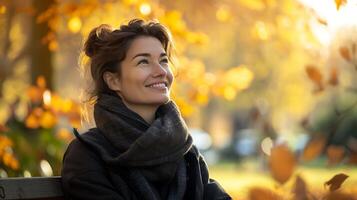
(159,70)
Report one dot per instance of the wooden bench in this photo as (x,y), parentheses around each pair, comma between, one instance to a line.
(44,188)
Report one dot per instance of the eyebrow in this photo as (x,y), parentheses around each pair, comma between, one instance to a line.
(148,55)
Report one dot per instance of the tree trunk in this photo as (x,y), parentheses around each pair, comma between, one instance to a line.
(40,55)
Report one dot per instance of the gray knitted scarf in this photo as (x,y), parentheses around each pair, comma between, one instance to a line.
(155,151)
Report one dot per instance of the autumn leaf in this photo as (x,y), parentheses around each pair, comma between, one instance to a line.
(353,159)
(300,191)
(335,182)
(64,134)
(345,53)
(322,21)
(313,149)
(3,128)
(41,82)
(333,76)
(335,154)
(32,122)
(339,3)
(258,193)
(282,163)
(34,94)
(315,75)
(48,120)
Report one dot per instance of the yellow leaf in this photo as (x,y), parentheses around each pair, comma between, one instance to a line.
(229,93)
(282,163)
(48,120)
(339,3)
(2,9)
(239,77)
(223,14)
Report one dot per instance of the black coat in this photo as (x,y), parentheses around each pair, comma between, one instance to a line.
(86,176)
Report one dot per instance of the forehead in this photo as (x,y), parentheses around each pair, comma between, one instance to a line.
(145,44)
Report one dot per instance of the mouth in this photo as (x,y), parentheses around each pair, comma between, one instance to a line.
(157,85)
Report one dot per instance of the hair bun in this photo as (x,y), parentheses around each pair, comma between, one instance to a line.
(97,38)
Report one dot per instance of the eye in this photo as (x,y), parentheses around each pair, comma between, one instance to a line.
(143,61)
(164,61)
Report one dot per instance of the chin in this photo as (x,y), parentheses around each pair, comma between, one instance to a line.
(161,100)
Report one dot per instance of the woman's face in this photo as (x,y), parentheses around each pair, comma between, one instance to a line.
(145,77)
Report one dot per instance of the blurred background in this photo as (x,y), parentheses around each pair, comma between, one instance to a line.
(268,88)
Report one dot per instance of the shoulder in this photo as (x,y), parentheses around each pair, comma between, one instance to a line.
(81,158)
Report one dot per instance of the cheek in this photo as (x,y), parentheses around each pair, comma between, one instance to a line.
(170,76)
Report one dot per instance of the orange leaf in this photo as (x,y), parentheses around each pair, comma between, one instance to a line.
(345,53)
(322,21)
(315,75)
(335,154)
(3,128)
(48,120)
(32,122)
(353,159)
(313,149)
(335,182)
(334,76)
(257,193)
(300,190)
(41,82)
(34,93)
(339,3)
(282,163)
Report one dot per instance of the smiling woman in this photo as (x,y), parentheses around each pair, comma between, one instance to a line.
(140,147)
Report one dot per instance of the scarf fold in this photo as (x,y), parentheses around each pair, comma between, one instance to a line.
(155,151)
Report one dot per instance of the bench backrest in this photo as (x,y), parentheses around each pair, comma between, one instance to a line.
(31,188)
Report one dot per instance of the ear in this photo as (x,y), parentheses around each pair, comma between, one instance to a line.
(112,80)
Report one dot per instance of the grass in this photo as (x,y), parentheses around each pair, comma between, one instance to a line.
(237,179)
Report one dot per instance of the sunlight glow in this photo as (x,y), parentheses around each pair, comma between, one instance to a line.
(46,169)
(2,9)
(326,11)
(74,24)
(47,98)
(27,173)
(145,9)
(223,14)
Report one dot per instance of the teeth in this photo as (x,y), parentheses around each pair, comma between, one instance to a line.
(158,85)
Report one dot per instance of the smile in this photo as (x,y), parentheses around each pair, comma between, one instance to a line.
(161,85)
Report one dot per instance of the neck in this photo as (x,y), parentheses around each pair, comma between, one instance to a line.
(147,112)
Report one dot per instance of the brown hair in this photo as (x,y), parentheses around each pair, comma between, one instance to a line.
(105,48)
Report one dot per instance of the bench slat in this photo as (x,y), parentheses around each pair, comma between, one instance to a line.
(31,188)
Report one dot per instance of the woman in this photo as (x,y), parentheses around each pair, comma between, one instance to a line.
(140,148)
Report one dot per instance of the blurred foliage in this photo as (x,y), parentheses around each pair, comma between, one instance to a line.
(238,54)
(34,145)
